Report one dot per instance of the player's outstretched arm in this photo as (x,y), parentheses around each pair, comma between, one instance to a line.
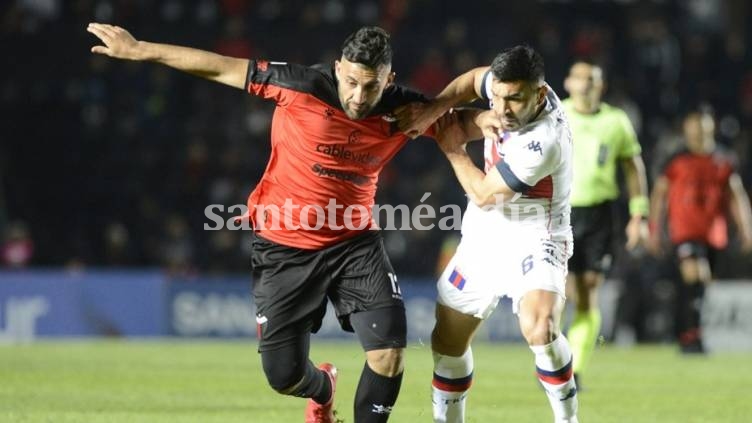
(415,118)
(120,44)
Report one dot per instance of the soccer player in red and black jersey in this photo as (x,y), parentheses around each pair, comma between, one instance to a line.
(697,188)
(332,133)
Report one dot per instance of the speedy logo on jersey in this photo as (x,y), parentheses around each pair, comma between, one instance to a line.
(341,175)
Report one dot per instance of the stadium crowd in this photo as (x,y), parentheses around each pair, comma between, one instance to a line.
(114,165)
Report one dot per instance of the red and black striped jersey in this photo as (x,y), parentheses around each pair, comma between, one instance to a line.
(697,197)
(322,173)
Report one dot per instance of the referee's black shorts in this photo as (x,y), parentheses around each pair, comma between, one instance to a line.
(291,287)
(592,227)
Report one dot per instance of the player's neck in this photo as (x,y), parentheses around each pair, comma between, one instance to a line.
(586,106)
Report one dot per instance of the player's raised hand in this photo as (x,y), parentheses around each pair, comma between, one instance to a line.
(118,42)
(489,124)
(449,133)
(414,119)
(637,233)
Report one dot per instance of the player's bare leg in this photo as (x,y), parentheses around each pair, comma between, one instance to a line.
(452,363)
(586,322)
(695,272)
(540,323)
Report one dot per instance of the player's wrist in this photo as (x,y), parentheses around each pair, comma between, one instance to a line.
(639,207)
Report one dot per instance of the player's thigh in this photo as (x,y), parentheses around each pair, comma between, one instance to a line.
(694,265)
(365,287)
(380,329)
(289,293)
(537,265)
(453,331)
(470,283)
(593,238)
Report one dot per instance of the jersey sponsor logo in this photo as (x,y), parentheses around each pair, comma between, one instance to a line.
(341,175)
(535,146)
(340,152)
(354,136)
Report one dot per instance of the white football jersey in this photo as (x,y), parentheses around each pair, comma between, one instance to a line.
(536,162)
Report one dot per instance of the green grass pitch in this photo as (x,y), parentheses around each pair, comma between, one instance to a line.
(205,381)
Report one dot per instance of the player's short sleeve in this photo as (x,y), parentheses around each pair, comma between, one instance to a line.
(485,86)
(529,161)
(629,146)
(274,80)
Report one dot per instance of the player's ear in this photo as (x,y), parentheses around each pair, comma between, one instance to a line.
(542,91)
(337,68)
(390,78)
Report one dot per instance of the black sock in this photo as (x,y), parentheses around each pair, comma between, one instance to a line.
(318,386)
(696,293)
(324,393)
(690,307)
(375,396)
(285,369)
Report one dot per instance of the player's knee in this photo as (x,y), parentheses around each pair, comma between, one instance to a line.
(690,271)
(591,280)
(539,331)
(386,362)
(282,375)
(442,344)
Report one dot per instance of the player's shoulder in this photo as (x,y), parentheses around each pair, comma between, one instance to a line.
(724,156)
(609,111)
(544,133)
(395,96)
(317,80)
(675,158)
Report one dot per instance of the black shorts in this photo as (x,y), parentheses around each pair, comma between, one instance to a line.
(291,286)
(592,228)
(697,250)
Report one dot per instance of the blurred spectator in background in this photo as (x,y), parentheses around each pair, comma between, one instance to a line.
(110,152)
(17,248)
(696,189)
(432,74)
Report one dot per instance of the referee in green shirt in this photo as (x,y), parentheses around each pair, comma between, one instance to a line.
(603,137)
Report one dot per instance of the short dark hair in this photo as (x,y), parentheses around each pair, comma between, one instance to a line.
(592,63)
(519,63)
(368,46)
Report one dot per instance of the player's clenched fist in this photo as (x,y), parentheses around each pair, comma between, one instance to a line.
(449,132)
(118,42)
(489,124)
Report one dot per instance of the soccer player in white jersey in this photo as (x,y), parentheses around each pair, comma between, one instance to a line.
(516,237)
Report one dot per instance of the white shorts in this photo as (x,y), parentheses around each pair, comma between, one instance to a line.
(481,272)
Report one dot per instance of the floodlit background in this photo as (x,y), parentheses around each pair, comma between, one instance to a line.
(106,167)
